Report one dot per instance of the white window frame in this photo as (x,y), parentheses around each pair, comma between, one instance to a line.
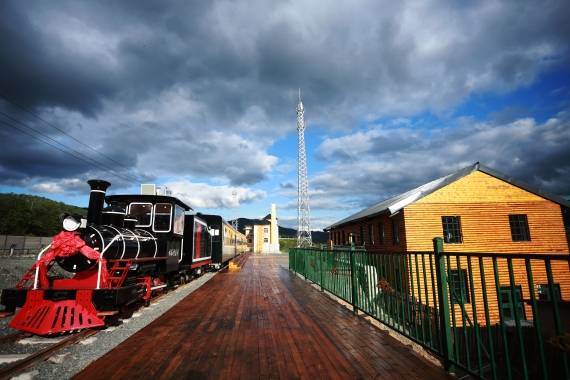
(151,213)
(194,259)
(169,220)
(176,207)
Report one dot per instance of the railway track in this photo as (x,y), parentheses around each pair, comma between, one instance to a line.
(12,369)
(9,370)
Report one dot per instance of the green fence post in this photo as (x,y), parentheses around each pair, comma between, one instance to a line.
(321,270)
(443,305)
(353,281)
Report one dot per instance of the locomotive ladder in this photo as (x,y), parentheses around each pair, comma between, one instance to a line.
(118,273)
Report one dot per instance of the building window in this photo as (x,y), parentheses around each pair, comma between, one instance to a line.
(395,232)
(266,229)
(343,237)
(519,227)
(361,237)
(381,233)
(544,293)
(452,229)
(507,304)
(459,285)
(265,240)
(370,234)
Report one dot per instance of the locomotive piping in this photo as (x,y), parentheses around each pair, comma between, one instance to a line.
(122,239)
(137,240)
(100,236)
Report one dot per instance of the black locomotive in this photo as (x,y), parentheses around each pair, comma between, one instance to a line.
(120,255)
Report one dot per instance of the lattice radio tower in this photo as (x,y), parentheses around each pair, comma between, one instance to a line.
(303,221)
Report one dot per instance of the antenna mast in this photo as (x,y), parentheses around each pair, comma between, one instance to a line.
(303,221)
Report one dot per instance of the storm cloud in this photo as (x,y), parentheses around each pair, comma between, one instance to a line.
(203,89)
(524,149)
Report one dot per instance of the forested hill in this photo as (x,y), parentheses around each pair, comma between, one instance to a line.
(22,214)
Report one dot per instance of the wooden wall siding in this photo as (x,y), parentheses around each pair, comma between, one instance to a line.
(479,187)
(486,228)
(561,276)
(484,203)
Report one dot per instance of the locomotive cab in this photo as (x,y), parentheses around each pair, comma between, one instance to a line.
(161,219)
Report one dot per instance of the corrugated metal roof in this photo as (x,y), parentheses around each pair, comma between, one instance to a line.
(395,204)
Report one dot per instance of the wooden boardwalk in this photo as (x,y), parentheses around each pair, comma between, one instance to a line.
(260,322)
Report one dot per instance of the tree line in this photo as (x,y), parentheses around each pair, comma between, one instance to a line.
(22,214)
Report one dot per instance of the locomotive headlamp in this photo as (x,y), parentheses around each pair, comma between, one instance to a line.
(70,223)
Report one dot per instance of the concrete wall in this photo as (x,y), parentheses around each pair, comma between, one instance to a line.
(23,244)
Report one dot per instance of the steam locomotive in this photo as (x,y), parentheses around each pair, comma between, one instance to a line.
(119,256)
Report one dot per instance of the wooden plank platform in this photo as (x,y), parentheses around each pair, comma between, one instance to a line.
(259,321)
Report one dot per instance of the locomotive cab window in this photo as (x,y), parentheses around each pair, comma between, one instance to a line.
(178,220)
(162,217)
(142,212)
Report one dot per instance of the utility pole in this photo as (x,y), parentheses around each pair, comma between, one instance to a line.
(304,238)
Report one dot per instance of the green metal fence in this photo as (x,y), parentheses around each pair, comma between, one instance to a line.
(486,314)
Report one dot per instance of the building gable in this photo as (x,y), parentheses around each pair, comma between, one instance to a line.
(480,187)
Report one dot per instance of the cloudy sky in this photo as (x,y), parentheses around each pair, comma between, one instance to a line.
(200,96)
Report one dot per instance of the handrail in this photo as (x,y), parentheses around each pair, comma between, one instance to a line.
(100,260)
(473,322)
(501,255)
(37,267)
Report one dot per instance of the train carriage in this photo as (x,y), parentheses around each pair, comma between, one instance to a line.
(227,243)
(197,252)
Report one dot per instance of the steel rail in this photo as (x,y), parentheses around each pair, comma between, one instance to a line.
(12,369)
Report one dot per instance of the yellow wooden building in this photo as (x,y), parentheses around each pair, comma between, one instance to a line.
(475,209)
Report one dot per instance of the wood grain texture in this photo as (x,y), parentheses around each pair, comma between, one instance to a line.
(484,204)
(260,322)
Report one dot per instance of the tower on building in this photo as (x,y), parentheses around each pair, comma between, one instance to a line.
(303,219)
(263,234)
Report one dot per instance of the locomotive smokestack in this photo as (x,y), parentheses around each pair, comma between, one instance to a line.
(96,200)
